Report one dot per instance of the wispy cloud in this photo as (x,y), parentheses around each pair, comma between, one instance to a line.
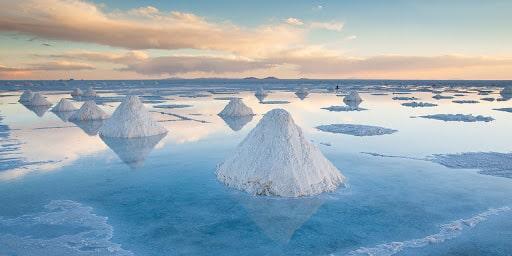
(332,25)
(294,21)
(350,38)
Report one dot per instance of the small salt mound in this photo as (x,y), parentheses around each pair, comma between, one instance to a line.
(353,96)
(39,100)
(355,129)
(416,104)
(77,92)
(90,92)
(89,111)
(276,159)
(236,107)
(64,105)
(459,118)
(26,96)
(131,120)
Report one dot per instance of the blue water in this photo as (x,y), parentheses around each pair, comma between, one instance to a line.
(161,197)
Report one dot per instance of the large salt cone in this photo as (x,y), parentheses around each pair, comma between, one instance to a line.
(131,120)
(236,108)
(133,151)
(64,105)
(276,159)
(89,111)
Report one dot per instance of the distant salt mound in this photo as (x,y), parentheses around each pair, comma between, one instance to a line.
(89,111)
(465,101)
(276,159)
(489,163)
(442,97)
(64,105)
(416,104)
(131,120)
(26,96)
(355,129)
(352,97)
(38,100)
(504,109)
(236,108)
(77,92)
(404,98)
(459,118)
(90,92)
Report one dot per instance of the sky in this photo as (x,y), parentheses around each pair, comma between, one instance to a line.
(343,39)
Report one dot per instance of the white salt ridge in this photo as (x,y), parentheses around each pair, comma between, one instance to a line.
(405,98)
(465,101)
(504,109)
(446,232)
(355,129)
(416,104)
(89,111)
(131,120)
(236,108)
(353,96)
(459,118)
(90,92)
(276,159)
(26,96)
(77,92)
(488,99)
(344,108)
(88,234)
(64,105)
(38,100)
(439,97)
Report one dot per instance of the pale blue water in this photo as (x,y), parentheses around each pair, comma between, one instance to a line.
(161,196)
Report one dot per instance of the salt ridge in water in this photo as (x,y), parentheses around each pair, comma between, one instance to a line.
(131,120)
(465,101)
(276,159)
(88,234)
(89,111)
(446,232)
(459,118)
(236,108)
(416,104)
(64,105)
(355,129)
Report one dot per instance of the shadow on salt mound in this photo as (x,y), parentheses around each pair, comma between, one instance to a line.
(236,123)
(38,110)
(133,151)
(91,127)
(292,213)
(355,129)
(69,229)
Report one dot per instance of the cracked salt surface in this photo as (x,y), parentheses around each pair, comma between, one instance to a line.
(355,129)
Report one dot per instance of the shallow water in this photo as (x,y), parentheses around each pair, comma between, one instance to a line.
(65,190)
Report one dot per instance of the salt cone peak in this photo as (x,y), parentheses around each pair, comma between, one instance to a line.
(236,108)
(276,159)
(353,96)
(64,105)
(39,100)
(89,111)
(77,92)
(26,96)
(131,120)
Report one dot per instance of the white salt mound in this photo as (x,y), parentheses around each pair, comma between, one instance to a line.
(131,120)
(356,129)
(276,159)
(39,100)
(64,105)
(90,92)
(89,111)
(459,118)
(26,96)
(236,107)
(353,96)
(77,92)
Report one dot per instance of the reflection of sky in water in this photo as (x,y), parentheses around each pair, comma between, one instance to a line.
(161,196)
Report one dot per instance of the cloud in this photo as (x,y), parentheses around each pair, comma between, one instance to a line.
(294,21)
(110,57)
(44,66)
(332,25)
(142,28)
(350,38)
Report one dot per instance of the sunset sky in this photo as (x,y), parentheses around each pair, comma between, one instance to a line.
(396,39)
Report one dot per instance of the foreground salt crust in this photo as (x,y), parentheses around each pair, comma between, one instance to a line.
(64,105)
(489,163)
(77,92)
(89,111)
(26,96)
(356,129)
(459,118)
(38,100)
(131,120)
(236,108)
(276,159)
